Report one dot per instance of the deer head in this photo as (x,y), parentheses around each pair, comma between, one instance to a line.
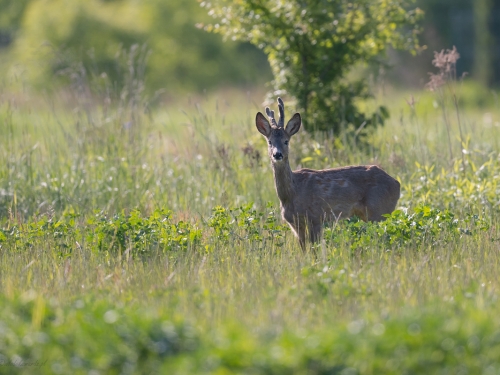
(277,135)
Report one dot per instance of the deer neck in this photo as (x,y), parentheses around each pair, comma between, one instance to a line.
(283,180)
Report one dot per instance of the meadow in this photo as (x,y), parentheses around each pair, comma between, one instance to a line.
(140,238)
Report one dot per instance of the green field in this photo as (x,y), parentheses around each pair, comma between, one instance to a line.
(138,239)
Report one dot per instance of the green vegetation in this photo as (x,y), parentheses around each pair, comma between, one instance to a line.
(140,235)
(312,48)
(140,241)
(52,42)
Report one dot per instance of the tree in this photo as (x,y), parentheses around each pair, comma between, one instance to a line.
(10,18)
(483,56)
(466,24)
(55,38)
(313,45)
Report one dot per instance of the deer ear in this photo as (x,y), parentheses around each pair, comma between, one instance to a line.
(293,125)
(262,124)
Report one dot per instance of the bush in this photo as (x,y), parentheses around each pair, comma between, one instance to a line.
(96,336)
(312,48)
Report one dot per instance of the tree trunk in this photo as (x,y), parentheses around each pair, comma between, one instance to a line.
(483,43)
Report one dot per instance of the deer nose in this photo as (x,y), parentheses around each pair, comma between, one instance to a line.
(278,156)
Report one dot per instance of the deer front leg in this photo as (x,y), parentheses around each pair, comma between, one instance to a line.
(301,234)
(299,231)
(315,230)
(310,231)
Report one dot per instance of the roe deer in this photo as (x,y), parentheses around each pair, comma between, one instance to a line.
(311,197)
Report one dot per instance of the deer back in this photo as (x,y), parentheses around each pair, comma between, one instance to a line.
(347,191)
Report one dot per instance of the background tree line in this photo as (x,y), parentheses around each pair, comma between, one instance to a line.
(40,38)
(473,26)
(307,50)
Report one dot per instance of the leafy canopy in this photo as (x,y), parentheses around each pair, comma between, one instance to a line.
(51,42)
(313,45)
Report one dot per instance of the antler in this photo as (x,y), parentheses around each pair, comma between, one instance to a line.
(270,114)
(281,107)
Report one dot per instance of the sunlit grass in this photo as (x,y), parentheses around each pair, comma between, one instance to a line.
(87,244)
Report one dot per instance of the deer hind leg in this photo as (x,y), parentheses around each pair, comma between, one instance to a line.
(360,210)
(375,215)
(377,204)
(373,211)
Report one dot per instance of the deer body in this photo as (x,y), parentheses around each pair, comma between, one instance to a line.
(310,197)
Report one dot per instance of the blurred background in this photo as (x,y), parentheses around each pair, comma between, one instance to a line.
(46,44)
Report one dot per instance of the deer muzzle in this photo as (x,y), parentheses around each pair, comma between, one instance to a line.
(277,155)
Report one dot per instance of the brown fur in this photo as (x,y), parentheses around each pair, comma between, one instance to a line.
(310,197)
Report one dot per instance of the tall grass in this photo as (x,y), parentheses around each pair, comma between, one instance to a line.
(136,240)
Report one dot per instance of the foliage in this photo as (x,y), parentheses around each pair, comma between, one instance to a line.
(98,275)
(312,48)
(58,40)
(90,335)
(133,234)
(123,233)
(248,224)
(447,22)
(10,16)
(88,331)
(425,226)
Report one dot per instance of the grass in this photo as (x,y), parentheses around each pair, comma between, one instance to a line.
(149,241)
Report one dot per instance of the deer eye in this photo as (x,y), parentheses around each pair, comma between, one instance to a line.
(269,142)
(286,143)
